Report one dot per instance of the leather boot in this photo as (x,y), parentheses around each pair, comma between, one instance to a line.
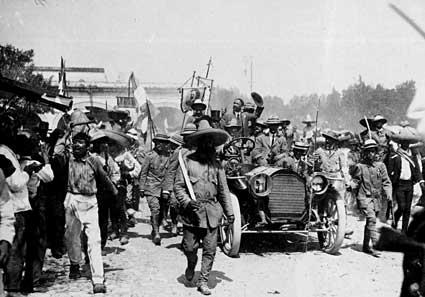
(156,238)
(192,259)
(366,247)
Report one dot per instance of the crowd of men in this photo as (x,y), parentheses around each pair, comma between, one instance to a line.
(73,190)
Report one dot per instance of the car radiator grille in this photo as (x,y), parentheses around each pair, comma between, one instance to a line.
(287,199)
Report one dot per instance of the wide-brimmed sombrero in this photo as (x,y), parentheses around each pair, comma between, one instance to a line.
(176,139)
(218,136)
(308,120)
(98,135)
(161,137)
(406,134)
(330,135)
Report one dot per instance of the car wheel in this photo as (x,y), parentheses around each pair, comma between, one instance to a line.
(334,219)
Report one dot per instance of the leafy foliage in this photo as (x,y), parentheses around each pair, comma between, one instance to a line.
(18,65)
(338,110)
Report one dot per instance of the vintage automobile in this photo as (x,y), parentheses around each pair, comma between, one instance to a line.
(291,207)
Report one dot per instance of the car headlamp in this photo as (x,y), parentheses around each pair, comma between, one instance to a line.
(261,185)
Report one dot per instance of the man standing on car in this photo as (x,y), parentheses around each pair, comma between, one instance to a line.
(201,189)
(370,179)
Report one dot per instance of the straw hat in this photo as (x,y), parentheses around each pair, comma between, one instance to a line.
(188,129)
(308,120)
(198,103)
(369,144)
(177,139)
(273,120)
(218,136)
(330,135)
(161,137)
(379,118)
(301,146)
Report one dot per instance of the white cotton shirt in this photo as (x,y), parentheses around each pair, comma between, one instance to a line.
(405,173)
(17,182)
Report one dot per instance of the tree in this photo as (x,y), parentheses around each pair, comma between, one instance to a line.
(18,65)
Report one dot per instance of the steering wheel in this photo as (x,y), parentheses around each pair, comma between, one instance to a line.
(242,143)
(237,145)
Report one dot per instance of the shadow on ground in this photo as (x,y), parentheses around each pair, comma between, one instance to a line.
(263,244)
(215,278)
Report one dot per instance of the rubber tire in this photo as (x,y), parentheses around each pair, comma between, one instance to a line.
(334,247)
(231,248)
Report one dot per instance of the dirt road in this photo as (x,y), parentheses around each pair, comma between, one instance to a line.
(268,265)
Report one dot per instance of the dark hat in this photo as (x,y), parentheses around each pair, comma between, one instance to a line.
(379,118)
(205,130)
(369,121)
(369,144)
(199,103)
(330,135)
(160,137)
(273,120)
(176,139)
(188,129)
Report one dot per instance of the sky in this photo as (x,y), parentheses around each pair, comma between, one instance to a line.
(296,47)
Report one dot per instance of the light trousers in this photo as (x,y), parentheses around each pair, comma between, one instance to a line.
(81,213)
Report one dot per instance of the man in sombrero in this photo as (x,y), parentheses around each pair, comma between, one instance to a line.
(404,172)
(202,191)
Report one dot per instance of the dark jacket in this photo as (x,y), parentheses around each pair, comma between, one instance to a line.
(394,169)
